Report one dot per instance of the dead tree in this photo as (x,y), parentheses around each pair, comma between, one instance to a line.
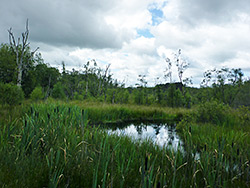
(181,65)
(19,50)
(168,71)
(103,79)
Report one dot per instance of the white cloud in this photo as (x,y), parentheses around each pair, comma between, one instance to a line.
(63,22)
(210,34)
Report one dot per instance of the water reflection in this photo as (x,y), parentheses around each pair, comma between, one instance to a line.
(163,134)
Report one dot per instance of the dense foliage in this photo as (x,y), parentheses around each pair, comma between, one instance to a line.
(95,84)
(10,94)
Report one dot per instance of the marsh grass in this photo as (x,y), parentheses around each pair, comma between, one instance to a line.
(53,145)
(103,112)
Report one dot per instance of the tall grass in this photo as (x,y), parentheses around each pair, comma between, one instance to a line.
(52,145)
(103,112)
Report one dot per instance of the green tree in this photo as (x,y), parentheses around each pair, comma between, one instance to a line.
(140,93)
(45,76)
(242,97)
(37,94)
(58,91)
(7,64)
(138,96)
(10,94)
(171,96)
(225,83)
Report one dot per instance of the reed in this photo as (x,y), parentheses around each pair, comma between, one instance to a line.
(54,145)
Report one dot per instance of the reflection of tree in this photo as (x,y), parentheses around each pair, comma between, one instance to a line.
(140,127)
(116,126)
(163,133)
(171,132)
(156,128)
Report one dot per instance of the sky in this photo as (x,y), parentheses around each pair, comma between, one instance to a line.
(135,36)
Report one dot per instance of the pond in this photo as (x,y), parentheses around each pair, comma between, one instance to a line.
(163,134)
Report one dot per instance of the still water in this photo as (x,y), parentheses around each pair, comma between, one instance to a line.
(163,134)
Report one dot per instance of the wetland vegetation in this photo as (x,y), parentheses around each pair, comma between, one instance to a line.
(52,135)
(51,144)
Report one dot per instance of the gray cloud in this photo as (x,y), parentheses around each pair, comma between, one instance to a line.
(194,12)
(71,23)
(212,33)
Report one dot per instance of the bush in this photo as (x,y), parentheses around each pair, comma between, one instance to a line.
(37,94)
(243,113)
(58,92)
(11,94)
(77,96)
(213,112)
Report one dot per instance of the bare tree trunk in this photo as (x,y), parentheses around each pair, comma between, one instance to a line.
(100,86)
(113,98)
(103,79)
(15,47)
(86,90)
(19,67)
(48,90)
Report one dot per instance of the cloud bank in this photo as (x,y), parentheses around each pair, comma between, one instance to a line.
(135,36)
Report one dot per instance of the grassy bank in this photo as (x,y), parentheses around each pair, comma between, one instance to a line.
(53,145)
(110,113)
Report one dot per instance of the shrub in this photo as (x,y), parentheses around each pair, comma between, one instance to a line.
(213,112)
(243,113)
(77,96)
(58,92)
(37,93)
(10,94)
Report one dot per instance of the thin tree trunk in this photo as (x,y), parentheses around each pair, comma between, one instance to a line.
(15,47)
(48,90)
(113,98)
(86,90)
(103,79)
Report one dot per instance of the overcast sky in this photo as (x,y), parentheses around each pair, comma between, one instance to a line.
(135,36)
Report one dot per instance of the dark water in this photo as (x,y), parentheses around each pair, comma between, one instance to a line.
(163,134)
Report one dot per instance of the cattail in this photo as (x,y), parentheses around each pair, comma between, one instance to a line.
(25,123)
(190,129)
(82,112)
(158,184)
(42,146)
(205,147)
(48,116)
(55,110)
(146,163)
(238,151)
(69,110)
(198,148)
(232,144)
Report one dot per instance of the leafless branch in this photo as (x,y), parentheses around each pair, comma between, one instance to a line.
(20,54)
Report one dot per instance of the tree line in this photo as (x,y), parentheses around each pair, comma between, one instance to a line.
(24,74)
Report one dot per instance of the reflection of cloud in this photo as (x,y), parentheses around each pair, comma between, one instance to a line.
(131,130)
(162,137)
(148,132)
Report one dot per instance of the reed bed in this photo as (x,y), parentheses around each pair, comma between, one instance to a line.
(54,145)
(103,112)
